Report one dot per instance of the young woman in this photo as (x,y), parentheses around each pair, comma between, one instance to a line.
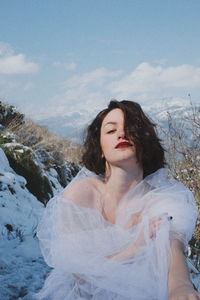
(119,230)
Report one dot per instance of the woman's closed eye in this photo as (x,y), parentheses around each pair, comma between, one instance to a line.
(111,131)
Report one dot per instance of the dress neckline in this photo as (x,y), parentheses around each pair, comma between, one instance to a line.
(89,208)
(149,181)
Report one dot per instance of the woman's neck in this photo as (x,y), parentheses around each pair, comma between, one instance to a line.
(121,180)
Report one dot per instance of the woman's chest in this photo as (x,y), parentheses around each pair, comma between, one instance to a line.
(112,211)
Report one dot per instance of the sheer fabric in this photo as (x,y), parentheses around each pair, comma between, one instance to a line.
(95,259)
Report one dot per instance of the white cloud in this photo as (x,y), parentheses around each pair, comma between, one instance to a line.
(89,92)
(14,64)
(147,79)
(184,76)
(69,67)
(17,64)
(84,93)
(96,78)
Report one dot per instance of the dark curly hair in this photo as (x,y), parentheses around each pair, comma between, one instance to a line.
(138,128)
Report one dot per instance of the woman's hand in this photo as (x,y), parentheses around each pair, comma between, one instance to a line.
(78,279)
(154,225)
(184,292)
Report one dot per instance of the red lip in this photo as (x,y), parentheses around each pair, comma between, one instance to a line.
(123,145)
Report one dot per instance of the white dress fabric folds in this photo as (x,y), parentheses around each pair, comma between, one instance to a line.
(95,259)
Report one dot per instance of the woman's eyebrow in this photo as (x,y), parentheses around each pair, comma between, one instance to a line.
(113,123)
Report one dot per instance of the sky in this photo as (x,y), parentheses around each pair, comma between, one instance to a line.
(62,61)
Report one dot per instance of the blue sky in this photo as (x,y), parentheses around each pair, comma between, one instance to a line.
(67,59)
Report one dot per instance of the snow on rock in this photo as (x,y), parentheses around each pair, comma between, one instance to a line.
(4,164)
(20,210)
(45,175)
(22,269)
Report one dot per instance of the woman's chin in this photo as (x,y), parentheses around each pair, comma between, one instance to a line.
(123,160)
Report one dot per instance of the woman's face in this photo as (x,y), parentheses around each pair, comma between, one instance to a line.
(116,148)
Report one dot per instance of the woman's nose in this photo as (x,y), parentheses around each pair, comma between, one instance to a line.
(121,133)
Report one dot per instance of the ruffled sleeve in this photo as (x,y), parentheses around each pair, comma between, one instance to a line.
(184,213)
(47,231)
(60,223)
(72,237)
(178,202)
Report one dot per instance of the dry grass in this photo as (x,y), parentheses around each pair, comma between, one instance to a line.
(35,136)
(183,156)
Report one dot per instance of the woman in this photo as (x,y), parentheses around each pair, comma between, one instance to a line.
(119,230)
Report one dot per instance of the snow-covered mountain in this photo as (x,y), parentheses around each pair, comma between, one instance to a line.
(72,126)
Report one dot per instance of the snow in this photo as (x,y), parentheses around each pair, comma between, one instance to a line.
(4,164)
(15,144)
(20,150)
(22,268)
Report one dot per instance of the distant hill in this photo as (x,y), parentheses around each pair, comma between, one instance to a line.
(73,126)
(45,160)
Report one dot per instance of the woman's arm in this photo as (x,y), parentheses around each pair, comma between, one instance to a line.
(179,284)
(133,248)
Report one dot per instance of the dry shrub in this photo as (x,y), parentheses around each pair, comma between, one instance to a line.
(35,136)
(183,155)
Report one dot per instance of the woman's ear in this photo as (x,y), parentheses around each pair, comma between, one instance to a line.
(102,155)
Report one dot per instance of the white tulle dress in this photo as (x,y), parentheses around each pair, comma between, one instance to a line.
(95,259)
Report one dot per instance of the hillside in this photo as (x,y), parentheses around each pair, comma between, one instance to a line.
(33,168)
(35,165)
(20,259)
(45,160)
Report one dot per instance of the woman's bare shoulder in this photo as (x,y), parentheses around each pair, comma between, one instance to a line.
(82,192)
